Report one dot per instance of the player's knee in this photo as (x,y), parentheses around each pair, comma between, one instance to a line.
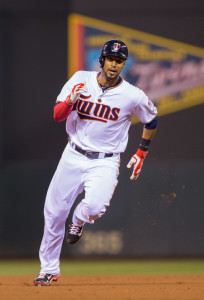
(53,217)
(96,211)
(90,211)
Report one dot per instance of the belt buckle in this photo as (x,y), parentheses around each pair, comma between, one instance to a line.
(91,154)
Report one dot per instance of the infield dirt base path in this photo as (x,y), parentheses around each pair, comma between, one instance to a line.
(102,287)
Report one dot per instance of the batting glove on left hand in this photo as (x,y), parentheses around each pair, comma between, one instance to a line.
(137,162)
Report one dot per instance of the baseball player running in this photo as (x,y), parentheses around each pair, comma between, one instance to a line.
(98,109)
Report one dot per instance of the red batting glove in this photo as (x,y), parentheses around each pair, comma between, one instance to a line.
(77,90)
(137,162)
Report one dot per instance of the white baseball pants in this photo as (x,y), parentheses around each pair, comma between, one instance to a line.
(75,173)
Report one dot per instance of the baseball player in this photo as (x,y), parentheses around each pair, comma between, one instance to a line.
(98,109)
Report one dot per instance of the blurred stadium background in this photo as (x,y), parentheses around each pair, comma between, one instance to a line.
(160,215)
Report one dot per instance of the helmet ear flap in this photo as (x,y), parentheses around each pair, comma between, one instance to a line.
(101,60)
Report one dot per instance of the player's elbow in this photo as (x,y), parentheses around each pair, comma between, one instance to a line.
(62,111)
(56,117)
(152,124)
(58,113)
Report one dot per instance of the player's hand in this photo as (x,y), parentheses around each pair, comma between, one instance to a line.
(137,162)
(77,90)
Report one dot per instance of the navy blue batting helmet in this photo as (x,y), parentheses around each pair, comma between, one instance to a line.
(113,48)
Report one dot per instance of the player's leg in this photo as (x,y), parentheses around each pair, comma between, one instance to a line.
(63,190)
(99,184)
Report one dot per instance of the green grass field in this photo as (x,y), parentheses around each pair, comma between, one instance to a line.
(92,267)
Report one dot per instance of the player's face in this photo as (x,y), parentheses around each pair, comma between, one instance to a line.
(113,65)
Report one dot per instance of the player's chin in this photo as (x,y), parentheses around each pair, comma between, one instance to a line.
(111,76)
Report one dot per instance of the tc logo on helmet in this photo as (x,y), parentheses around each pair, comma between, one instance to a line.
(116,46)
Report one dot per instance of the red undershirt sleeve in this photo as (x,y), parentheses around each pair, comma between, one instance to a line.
(62,111)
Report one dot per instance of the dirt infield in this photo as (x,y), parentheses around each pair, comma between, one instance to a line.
(89,287)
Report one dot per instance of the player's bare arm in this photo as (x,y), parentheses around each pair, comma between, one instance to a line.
(148,134)
(137,159)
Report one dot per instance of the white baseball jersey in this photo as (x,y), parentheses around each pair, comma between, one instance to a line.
(100,119)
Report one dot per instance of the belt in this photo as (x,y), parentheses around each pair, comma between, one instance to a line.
(90,154)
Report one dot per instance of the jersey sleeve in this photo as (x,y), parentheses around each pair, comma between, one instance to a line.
(145,110)
(67,88)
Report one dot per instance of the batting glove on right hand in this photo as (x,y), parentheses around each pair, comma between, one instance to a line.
(137,162)
(77,90)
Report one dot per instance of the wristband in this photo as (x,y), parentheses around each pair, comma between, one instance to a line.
(144,145)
